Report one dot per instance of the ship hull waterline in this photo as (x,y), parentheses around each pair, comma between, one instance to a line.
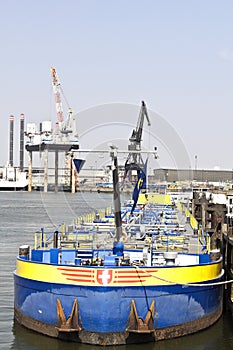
(117,338)
(99,314)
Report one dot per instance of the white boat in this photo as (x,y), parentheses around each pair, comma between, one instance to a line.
(13,179)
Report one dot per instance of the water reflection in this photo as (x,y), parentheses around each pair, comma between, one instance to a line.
(217,337)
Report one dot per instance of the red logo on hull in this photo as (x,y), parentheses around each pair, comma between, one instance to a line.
(104,277)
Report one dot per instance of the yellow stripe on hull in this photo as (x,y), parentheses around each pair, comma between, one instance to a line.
(117,277)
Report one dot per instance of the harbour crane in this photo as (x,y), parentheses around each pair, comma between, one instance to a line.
(65,126)
(134,160)
(57,94)
(66,133)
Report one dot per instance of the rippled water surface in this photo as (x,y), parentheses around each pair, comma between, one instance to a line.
(23,213)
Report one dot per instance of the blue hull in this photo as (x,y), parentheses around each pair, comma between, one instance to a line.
(107,309)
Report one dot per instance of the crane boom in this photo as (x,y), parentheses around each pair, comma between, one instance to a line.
(56,89)
(137,134)
(134,160)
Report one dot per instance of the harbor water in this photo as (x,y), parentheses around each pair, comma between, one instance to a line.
(22,214)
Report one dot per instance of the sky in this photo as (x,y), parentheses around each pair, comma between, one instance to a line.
(176,55)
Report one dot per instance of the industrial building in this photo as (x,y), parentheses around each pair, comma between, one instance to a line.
(188,175)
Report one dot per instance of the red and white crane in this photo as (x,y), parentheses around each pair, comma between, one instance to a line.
(57,94)
(65,126)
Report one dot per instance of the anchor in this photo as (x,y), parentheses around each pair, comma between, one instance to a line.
(136,324)
(71,323)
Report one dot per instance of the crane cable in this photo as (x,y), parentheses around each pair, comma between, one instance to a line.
(66,101)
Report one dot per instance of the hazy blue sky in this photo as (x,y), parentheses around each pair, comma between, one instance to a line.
(177,55)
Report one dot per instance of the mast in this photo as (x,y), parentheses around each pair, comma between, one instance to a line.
(116,195)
